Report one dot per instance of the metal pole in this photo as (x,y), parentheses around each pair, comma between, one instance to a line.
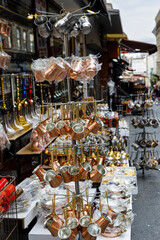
(71,115)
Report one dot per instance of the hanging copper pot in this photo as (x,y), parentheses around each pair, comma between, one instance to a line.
(73,223)
(77,132)
(96,175)
(86,27)
(65,174)
(53,179)
(62,127)
(46,121)
(95,126)
(41,129)
(40,172)
(86,168)
(92,231)
(53,225)
(66,233)
(53,131)
(74,171)
(103,222)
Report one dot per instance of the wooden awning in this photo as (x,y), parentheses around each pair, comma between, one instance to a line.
(134,46)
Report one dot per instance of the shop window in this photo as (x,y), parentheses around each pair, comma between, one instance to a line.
(31,38)
(24,40)
(18,39)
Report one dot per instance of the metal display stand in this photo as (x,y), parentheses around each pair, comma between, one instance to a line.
(143,152)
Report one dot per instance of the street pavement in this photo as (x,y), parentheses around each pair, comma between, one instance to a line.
(146,204)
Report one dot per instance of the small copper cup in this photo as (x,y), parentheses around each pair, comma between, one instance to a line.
(53,226)
(74,171)
(65,174)
(40,172)
(86,168)
(53,179)
(103,222)
(53,131)
(62,127)
(96,175)
(77,132)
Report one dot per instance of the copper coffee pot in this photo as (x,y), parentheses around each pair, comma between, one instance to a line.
(53,222)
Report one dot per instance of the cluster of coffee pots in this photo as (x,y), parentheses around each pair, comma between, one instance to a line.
(72,223)
(56,69)
(47,130)
(137,104)
(85,169)
(65,24)
(145,143)
(147,161)
(145,122)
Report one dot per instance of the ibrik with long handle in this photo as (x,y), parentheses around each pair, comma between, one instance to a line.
(19,108)
(14,122)
(9,130)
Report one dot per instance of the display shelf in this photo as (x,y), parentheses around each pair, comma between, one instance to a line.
(38,232)
(27,149)
(26,216)
(19,134)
